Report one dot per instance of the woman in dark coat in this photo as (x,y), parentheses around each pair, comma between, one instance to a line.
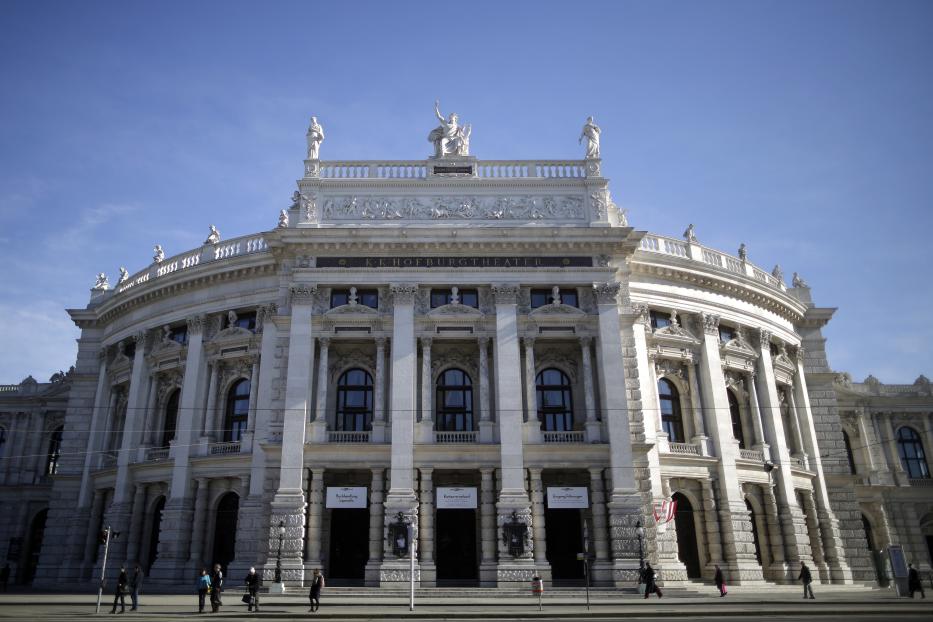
(217,585)
(650,581)
(120,594)
(720,582)
(317,583)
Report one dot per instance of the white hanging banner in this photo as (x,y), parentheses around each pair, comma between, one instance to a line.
(456,498)
(346,497)
(567,497)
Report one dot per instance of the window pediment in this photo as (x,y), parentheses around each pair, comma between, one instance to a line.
(352,311)
(557,310)
(455,311)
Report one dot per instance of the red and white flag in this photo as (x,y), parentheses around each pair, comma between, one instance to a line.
(664,511)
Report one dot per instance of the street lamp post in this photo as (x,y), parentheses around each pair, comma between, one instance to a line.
(278,559)
(640,532)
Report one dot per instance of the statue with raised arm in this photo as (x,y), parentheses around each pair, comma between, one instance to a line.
(315,138)
(214,236)
(449,138)
(101,284)
(159,256)
(591,134)
(124,276)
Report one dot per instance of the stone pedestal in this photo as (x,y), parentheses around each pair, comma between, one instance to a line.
(289,509)
(624,515)
(395,571)
(515,571)
(171,565)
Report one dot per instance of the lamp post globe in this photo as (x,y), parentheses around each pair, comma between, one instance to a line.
(278,559)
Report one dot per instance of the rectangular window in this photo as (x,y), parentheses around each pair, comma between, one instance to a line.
(366,297)
(726,333)
(246,320)
(441,297)
(179,334)
(541,297)
(659,319)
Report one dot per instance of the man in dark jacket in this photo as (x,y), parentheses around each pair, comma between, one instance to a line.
(217,587)
(253,582)
(806,578)
(914,584)
(650,580)
(135,585)
(120,593)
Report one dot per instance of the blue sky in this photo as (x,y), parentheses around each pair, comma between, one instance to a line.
(804,129)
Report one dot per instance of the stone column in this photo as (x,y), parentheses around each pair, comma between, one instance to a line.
(778,568)
(211,429)
(136,524)
(379,420)
(711,523)
(589,396)
(602,566)
(426,528)
(867,450)
(760,443)
(172,563)
(426,427)
(199,526)
(795,428)
(512,496)
(253,396)
(696,411)
(376,493)
(894,463)
(625,500)
(537,520)
(151,426)
(318,428)
(265,323)
(90,538)
(315,512)
(401,496)
(531,389)
(485,425)
(288,505)
(816,539)
(790,518)
(94,434)
(831,537)
(737,540)
(487,529)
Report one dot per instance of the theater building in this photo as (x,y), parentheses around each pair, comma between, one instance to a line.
(483,350)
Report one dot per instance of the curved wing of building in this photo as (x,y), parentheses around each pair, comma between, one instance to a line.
(482,354)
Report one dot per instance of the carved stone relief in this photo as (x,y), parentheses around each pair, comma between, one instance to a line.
(350,207)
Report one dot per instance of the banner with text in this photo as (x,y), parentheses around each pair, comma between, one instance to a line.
(567,497)
(456,498)
(346,497)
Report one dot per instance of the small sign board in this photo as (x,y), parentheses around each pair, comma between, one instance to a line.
(567,497)
(346,497)
(453,498)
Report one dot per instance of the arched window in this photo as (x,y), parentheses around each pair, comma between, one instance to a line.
(171,418)
(736,415)
(2,440)
(454,401)
(237,411)
(913,458)
(354,401)
(671,418)
(55,451)
(851,458)
(555,401)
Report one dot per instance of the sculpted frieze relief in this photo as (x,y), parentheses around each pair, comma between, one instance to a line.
(351,207)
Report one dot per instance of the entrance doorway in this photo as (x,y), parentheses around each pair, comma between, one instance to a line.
(686,536)
(225,530)
(34,546)
(155,533)
(455,553)
(349,546)
(564,534)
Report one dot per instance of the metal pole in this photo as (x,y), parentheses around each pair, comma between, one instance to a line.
(411,568)
(586,562)
(103,569)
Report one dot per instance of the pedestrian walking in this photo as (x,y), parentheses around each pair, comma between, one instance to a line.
(914,584)
(720,581)
(120,592)
(204,588)
(217,588)
(650,579)
(806,578)
(135,585)
(4,576)
(317,584)
(253,582)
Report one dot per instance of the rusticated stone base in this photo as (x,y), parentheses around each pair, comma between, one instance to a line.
(515,574)
(398,573)
(290,510)
(171,565)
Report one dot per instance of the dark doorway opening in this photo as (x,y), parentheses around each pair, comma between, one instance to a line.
(753,519)
(686,536)
(564,534)
(455,552)
(225,530)
(154,533)
(33,547)
(349,546)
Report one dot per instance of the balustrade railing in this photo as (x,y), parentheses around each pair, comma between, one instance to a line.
(222,449)
(688,449)
(563,436)
(156,453)
(751,454)
(349,437)
(921,482)
(455,437)
(486,169)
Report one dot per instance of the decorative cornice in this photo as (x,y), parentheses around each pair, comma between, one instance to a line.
(606,293)
(505,293)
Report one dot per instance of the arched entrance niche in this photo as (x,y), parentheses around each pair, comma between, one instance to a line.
(30,559)
(685,524)
(154,532)
(228,509)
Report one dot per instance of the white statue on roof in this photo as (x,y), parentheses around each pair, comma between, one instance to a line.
(214,236)
(159,256)
(591,134)
(124,276)
(449,138)
(101,283)
(315,137)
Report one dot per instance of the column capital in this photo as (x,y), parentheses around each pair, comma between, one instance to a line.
(301,293)
(426,342)
(483,341)
(606,293)
(403,293)
(586,342)
(710,323)
(505,293)
(196,324)
(486,473)
(324,341)
(263,313)
(426,472)
(596,473)
(528,342)
(535,473)
(381,342)
(764,337)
